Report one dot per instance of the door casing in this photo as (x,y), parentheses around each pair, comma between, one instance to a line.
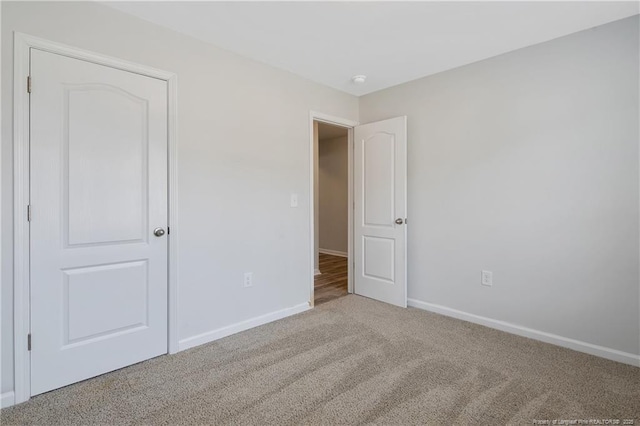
(21,280)
(349,125)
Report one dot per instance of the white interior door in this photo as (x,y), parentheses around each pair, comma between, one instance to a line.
(380,195)
(98,189)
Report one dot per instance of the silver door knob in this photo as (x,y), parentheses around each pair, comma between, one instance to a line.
(399,221)
(158,232)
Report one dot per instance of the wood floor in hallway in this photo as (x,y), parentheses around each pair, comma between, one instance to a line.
(332,282)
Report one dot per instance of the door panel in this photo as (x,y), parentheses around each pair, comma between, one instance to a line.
(379,258)
(98,189)
(378,150)
(380,194)
(93,294)
(93,187)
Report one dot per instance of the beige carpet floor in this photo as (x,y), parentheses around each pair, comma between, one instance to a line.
(351,361)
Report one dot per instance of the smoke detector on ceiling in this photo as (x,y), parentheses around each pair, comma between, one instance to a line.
(359,79)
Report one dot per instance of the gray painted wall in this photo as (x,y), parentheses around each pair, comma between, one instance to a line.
(526,164)
(334,194)
(243,148)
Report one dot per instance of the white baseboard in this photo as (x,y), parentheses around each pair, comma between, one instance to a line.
(316,272)
(333,252)
(576,345)
(210,336)
(7,399)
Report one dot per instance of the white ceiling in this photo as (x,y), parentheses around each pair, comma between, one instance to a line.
(390,42)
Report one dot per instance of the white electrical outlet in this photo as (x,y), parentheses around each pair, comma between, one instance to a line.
(248,279)
(487,278)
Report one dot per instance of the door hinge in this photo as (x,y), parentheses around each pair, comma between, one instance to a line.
(29,341)
(28,212)
(28,84)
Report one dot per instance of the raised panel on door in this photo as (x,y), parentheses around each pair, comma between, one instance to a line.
(380,210)
(378,151)
(92,294)
(98,189)
(378,258)
(105,204)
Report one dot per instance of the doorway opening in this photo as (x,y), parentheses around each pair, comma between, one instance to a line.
(331,212)
(376,260)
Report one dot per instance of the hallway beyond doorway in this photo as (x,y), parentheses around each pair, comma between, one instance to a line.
(332,281)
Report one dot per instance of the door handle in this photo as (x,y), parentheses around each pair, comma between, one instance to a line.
(399,221)
(158,232)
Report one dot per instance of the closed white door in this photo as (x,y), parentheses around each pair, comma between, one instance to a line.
(98,191)
(380,194)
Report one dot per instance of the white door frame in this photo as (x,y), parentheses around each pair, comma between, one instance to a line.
(21,280)
(349,125)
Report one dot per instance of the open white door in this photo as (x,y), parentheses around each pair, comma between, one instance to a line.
(380,195)
(99,205)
